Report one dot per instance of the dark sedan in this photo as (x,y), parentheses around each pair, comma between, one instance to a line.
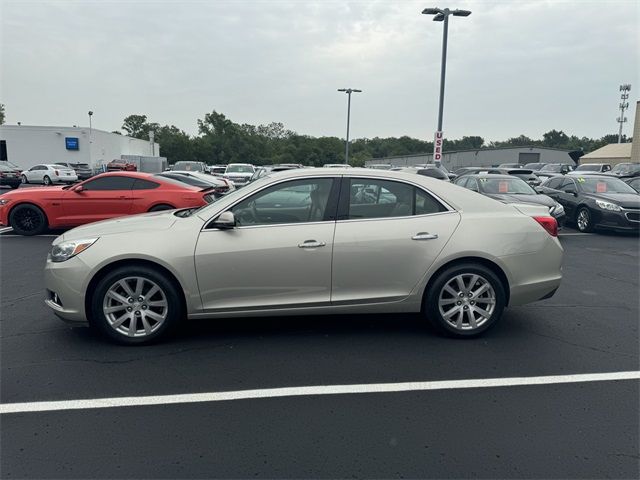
(9,176)
(596,202)
(509,189)
(625,170)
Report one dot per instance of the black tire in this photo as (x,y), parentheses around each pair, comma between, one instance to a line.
(436,288)
(584,220)
(24,180)
(27,219)
(46,181)
(174,310)
(161,207)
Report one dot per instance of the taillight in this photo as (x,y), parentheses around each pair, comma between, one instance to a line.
(2,175)
(56,172)
(549,224)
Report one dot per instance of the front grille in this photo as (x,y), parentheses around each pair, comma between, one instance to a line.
(633,216)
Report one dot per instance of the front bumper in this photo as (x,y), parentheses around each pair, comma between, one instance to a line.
(65,289)
(624,221)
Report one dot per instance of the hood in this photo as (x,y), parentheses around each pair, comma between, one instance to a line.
(534,199)
(625,200)
(39,192)
(146,221)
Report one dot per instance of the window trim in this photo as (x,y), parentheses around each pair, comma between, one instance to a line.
(332,204)
(95,179)
(343,202)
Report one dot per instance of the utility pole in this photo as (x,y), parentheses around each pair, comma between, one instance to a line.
(348,91)
(624,96)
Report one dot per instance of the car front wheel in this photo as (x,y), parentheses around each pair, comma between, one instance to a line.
(465,300)
(135,305)
(24,179)
(27,220)
(584,220)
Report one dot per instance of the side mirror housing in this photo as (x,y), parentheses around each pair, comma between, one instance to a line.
(79,189)
(538,189)
(571,191)
(225,221)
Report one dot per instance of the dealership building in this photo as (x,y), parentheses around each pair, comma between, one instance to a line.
(27,145)
(485,157)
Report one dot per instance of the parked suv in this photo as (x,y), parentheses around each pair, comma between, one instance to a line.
(239,173)
(591,168)
(83,170)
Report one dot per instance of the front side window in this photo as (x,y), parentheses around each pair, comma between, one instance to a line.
(568,185)
(296,201)
(109,183)
(369,198)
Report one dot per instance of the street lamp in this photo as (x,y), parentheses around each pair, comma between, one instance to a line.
(90,115)
(442,15)
(348,91)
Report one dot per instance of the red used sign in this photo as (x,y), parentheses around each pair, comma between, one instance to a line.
(437,146)
(601,187)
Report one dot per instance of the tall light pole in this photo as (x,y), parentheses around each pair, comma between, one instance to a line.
(348,91)
(624,96)
(90,113)
(442,15)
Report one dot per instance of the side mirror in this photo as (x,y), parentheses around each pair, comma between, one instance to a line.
(225,221)
(572,191)
(538,189)
(79,189)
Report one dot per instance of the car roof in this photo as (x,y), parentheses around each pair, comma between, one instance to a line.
(492,175)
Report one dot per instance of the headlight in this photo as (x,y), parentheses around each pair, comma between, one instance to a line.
(4,201)
(608,206)
(557,209)
(65,250)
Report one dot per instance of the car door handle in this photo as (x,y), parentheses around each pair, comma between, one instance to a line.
(311,244)
(424,236)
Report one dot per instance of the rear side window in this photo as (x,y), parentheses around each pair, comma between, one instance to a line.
(109,183)
(554,183)
(140,184)
(372,198)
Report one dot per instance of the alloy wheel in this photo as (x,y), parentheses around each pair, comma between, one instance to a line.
(583,220)
(467,301)
(46,180)
(135,306)
(27,219)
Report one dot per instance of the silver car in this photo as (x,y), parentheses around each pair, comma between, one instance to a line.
(308,242)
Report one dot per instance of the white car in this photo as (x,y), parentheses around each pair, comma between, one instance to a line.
(309,242)
(239,173)
(48,174)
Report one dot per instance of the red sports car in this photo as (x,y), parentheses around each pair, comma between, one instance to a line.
(31,210)
(121,165)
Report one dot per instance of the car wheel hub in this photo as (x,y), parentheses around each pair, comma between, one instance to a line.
(135,306)
(467,301)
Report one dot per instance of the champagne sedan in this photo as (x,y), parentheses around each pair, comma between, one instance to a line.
(305,242)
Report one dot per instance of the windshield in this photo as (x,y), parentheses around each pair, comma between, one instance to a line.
(626,168)
(588,168)
(508,186)
(551,168)
(191,166)
(239,169)
(604,185)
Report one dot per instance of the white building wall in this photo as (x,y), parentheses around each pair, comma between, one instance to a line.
(30,145)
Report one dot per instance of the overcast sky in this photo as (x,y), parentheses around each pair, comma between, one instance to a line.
(514,67)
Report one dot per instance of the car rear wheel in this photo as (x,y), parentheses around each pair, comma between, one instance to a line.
(46,180)
(465,300)
(27,220)
(159,208)
(584,220)
(24,180)
(135,305)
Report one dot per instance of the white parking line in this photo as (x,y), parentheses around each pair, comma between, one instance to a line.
(115,402)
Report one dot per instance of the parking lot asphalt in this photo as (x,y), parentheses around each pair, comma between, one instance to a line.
(563,430)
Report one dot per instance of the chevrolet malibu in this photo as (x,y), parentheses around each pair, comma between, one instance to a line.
(309,243)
